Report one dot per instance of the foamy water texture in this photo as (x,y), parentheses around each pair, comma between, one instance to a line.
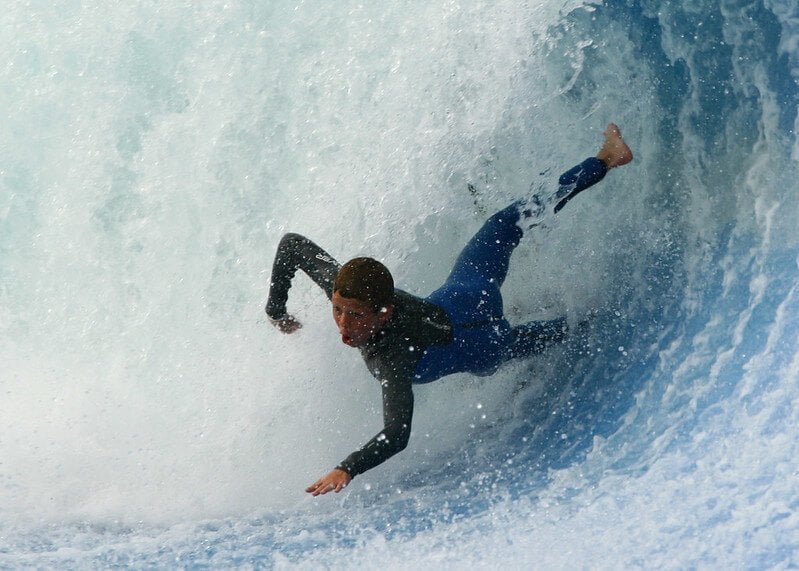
(152,157)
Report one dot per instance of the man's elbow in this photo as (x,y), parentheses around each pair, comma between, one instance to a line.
(399,437)
(401,445)
(291,238)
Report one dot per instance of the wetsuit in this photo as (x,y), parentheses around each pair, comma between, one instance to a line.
(458,328)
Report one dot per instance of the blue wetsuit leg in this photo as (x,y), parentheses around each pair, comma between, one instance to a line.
(578,178)
(472,299)
(471,295)
(471,292)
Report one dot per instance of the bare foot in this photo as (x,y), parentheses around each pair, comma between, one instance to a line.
(614,152)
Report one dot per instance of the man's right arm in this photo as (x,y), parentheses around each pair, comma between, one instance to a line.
(298,252)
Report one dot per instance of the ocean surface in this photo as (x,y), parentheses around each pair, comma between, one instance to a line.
(153,153)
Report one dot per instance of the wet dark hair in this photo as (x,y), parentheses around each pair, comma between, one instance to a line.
(365,279)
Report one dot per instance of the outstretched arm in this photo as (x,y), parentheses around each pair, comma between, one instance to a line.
(397,417)
(297,252)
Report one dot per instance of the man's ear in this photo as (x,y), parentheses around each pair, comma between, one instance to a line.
(386,312)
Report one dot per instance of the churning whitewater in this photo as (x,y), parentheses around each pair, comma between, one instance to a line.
(152,157)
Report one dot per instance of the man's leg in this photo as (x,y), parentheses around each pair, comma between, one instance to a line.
(486,256)
(535,336)
(471,292)
(613,153)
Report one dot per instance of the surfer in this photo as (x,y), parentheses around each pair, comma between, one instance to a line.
(460,327)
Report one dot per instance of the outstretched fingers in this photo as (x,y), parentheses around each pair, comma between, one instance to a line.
(334,481)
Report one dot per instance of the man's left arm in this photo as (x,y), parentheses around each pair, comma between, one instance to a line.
(397,417)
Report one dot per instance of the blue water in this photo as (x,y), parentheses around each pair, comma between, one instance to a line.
(153,155)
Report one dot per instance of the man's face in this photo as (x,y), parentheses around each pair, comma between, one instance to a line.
(357,321)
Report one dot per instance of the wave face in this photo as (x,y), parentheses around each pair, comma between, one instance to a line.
(152,158)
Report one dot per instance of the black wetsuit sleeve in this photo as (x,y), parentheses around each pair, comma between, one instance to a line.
(298,252)
(397,416)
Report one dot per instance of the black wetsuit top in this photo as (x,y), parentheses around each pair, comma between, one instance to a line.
(391,355)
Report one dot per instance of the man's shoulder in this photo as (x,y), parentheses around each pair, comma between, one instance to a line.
(422,317)
(415,325)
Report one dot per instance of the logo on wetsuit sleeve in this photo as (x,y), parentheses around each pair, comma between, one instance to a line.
(324,258)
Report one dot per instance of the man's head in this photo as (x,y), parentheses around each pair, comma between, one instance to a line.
(363,300)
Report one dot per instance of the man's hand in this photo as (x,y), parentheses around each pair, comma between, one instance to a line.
(286,324)
(335,481)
